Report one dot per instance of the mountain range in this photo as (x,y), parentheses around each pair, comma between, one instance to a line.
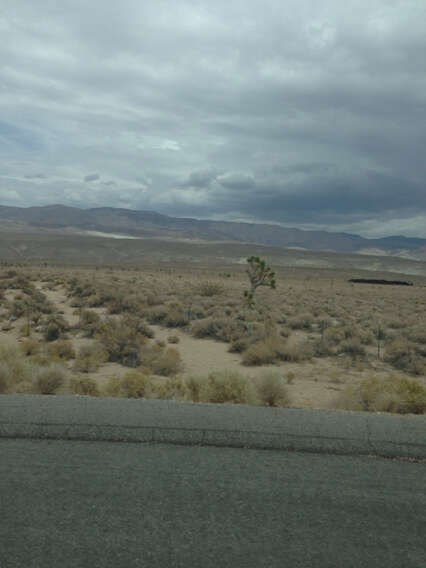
(113,222)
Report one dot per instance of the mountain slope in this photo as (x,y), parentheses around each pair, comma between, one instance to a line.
(152,224)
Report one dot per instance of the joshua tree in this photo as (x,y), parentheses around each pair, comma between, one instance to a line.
(259,275)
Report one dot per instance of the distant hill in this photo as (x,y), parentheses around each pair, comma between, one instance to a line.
(65,220)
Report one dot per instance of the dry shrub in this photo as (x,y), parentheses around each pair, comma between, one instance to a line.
(398,395)
(353,348)
(89,322)
(173,339)
(272,391)
(84,385)
(302,321)
(61,349)
(406,356)
(260,353)
(48,380)
(222,329)
(173,388)
(167,363)
(134,384)
(122,341)
(156,315)
(89,358)
(194,387)
(29,347)
(210,288)
(227,386)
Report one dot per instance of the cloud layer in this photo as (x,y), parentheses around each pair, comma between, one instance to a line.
(305,113)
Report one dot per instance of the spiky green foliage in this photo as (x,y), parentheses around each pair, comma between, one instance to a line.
(260,274)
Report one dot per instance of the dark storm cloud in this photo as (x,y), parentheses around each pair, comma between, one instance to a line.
(301,112)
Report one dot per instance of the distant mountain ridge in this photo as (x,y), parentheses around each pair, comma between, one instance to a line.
(152,224)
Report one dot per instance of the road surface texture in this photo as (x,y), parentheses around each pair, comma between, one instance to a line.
(118,483)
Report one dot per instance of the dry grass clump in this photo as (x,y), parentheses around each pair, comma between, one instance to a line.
(134,384)
(168,362)
(49,379)
(61,349)
(89,322)
(271,391)
(210,288)
(227,386)
(84,385)
(90,358)
(222,329)
(173,388)
(398,395)
(273,350)
(122,340)
(406,356)
(29,347)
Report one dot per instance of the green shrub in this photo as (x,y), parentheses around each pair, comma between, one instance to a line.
(84,385)
(272,391)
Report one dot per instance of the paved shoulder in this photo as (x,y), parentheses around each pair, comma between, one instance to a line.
(109,419)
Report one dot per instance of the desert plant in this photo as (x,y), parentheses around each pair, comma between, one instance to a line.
(134,384)
(84,385)
(122,341)
(272,391)
(210,289)
(227,386)
(89,358)
(173,388)
(167,363)
(48,380)
(61,349)
(260,274)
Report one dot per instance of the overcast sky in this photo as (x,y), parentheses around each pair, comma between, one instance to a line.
(309,113)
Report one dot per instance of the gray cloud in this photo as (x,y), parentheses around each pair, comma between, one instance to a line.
(91,177)
(307,113)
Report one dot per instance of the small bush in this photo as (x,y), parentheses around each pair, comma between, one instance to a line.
(227,386)
(210,289)
(61,349)
(84,385)
(272,391)
(174,388)
(194,387)
(173,339)
(89,358)
(49,380)
(89,322)
(405,356)
(399,395)
(134,384)
(122,341)
(167,363)
(29,347)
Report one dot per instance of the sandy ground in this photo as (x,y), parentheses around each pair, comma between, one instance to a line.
(312,384)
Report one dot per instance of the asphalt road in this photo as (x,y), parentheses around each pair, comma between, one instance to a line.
(114,504)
